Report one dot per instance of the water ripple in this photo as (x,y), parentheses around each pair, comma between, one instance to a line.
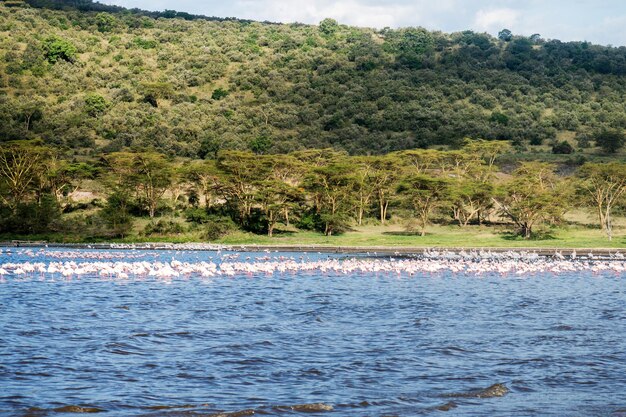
(327,343)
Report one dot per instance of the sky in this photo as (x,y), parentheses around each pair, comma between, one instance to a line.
(598,21)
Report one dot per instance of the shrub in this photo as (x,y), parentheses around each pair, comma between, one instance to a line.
(219,93)
(56,49)
(610,140)
(163,227)
(197,215)
(562,148)
(218,226)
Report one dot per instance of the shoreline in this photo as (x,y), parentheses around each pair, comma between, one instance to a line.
(375,250)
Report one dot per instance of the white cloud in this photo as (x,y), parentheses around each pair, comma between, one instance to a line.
(351,12)
(599,22)
(496,19)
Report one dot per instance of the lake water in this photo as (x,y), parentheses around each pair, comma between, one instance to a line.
(365,344)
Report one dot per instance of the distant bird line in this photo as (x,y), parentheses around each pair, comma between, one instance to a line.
(107,266)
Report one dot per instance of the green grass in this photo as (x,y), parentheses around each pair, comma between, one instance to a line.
(438,236)
(579,232)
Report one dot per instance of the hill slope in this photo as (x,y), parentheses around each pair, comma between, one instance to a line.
(95,81)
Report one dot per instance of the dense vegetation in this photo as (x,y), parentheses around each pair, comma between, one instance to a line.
(322,190)
(94,81)
(203,125)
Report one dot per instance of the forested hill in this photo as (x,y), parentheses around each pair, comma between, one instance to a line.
(98,81)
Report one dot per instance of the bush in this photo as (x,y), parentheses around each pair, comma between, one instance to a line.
(56,49)
(116,214)
(583,140)
(31,217)
(562,148)
(218,226)
(219,93)
(610,140)
(163,227)
(95,104)
(197,215)
(310,221)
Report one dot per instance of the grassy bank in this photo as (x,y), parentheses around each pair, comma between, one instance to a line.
(438,236)
(570,236)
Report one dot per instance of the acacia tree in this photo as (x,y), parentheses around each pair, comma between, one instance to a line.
(330,187)
(603,186)
(362,187)
(488,150)
(423,194)
(20,164)
(153,175)
(119,177)
(384,177)
(469,198)
(275,197)
(287,170)
(204,176)
(419,161)
(533,195)
(241,171)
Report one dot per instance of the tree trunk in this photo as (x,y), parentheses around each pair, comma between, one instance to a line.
(609,228)
(383,211)
(423,220)
(601,217)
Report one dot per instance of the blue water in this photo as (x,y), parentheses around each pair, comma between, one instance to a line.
(366,345)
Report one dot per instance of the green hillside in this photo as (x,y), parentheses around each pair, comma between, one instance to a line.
(94,81)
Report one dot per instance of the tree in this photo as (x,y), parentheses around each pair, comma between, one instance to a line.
(275,197)
(153,175)
(328,26)
(20,163)
(118,171)
(116,213)
(30,110)
(412,45)
(57,49)
(610,140)
(105,22)
(563,148)
(420,161)
(210,146)
(362,187)
(155,91)
(533,195)
(95,104)
(423,194)
(488,150)
(384,177)
(287,170)
(468,198)
(219,93)
(505,35)
(603,186)
(204,176)
(241,171)
(330,187)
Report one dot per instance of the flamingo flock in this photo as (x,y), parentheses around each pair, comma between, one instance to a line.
(108,265)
